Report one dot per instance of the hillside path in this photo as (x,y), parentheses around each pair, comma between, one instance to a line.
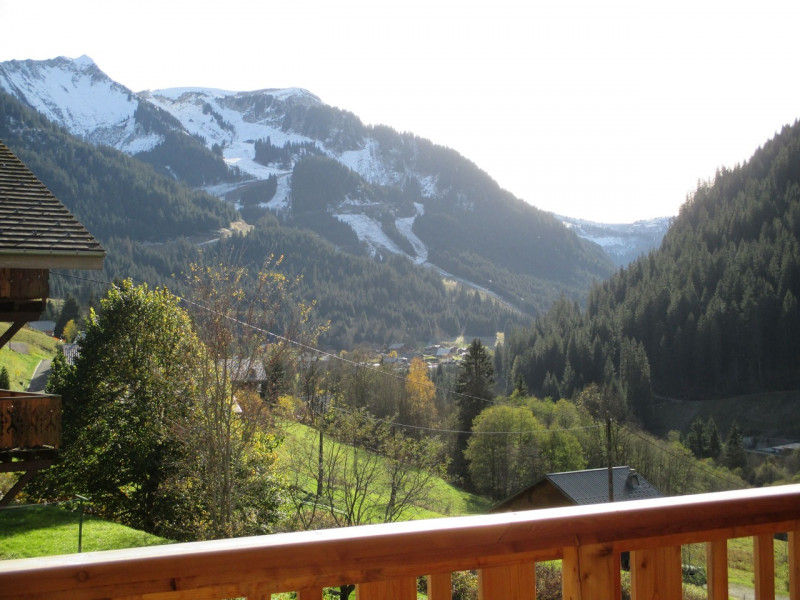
(40,376)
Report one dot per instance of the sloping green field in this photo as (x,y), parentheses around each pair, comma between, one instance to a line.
(23,353)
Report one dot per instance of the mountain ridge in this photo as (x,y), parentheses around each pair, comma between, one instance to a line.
(408,196)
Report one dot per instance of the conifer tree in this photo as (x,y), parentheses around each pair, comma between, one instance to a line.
(474,388)
(734,449)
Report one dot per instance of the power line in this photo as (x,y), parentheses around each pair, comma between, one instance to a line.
(308,348)
(400,377)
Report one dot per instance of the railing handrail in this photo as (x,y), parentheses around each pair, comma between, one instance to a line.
(315,559)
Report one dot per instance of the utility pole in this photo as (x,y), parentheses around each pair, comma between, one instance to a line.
(608,460)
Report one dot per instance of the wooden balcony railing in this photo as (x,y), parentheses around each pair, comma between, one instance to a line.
(385,560)
(29,421)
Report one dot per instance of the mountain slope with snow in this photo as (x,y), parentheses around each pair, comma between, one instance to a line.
(623,242)
(81,98)
(408,196)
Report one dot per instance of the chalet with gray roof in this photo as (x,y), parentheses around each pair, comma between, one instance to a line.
(578,488)
(37,233)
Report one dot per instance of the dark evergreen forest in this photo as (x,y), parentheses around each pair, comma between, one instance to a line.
(151,224)
(711,313)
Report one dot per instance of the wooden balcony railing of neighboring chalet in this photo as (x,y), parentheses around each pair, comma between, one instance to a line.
(30,435)
(29,422)
(385,560)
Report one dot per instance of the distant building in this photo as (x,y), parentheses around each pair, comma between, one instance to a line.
(70,352)
(47,327)
(578,488)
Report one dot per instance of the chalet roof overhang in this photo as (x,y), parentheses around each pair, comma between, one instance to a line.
(36,230)
(48,259)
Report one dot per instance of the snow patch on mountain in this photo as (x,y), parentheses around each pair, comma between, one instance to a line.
(623,242)
(367,163)
(79,96)
(207,113)
(404,226)
(369,231)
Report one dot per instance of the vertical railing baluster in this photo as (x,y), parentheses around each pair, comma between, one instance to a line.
(794,564)
(309,594)
(717,569)
(656,573)
(404,588)
(440,586)
(764,567)
(591,572)
(508,582)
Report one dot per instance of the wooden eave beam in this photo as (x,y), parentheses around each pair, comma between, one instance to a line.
(33,468)
(11,331)
(52,260)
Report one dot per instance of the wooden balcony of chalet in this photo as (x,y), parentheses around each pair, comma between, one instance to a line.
(384,561)
(30,435)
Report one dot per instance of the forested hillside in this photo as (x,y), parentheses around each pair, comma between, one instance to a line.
(114,195)
(128,206)
(367,189)
(367,301)
(713,312)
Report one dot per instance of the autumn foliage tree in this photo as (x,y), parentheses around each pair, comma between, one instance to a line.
(245,324)
(418,408)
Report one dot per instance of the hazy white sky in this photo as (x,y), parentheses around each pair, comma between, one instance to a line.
(609,111)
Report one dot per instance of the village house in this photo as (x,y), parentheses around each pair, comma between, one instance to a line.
(576,488)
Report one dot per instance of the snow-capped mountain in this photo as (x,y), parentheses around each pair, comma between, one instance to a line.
(80,97)
(391,193)
(623,242)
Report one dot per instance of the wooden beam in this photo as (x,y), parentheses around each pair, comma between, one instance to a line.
(404,588)
(440,586)
(510,582)
(392,551)
(656,573)
(51,260)
(591,573)
(717,569)
(308,594)
(11,332)
(16,488)
(764,567)
(794,564)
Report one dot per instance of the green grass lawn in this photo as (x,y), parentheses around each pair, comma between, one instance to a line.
(46,530)
(444,499)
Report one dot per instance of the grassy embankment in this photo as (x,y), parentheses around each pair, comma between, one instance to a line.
(46,530)
(21,356)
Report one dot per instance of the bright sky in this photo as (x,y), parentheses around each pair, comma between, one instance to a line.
(609,111)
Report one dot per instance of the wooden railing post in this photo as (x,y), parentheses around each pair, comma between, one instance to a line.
(309,594)
(591,572)
(385,560)
(404,588)
(656,573)
(257,591)
(764,567)
(440,586)
(509,582)
(794,564)
(717,569)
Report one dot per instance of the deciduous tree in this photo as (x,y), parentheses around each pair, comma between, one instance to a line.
(134,378)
